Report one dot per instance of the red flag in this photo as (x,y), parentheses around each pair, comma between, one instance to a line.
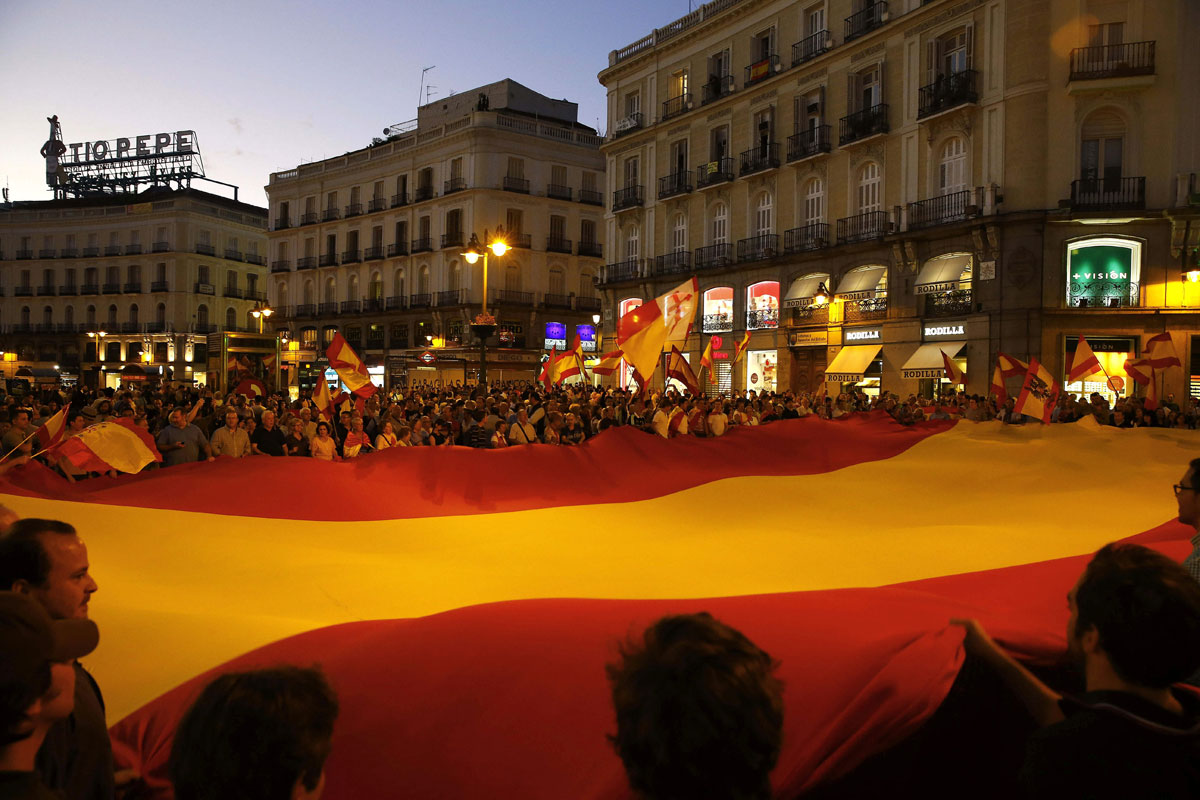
(706,361)
(953,373)
(547,378)
(251,387)
(1084,363)
(571,362)
(679,369)
(1039,394)
(1160,352)
(642,332)
(51,433)
(1142,371)
(349,367)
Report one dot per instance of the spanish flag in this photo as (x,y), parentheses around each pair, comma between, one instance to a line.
(547,376)
(609,363)
(1160,352)
(679,369)
(1039,394)
(51,433)
(570,363)
(1142,371)
(706,362)
(953,373)
(1084,363)
(322,400)
(739,349)
(118,444)
(349,367)
(1006,367)
(643,332)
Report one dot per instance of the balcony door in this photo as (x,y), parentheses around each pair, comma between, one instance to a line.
(764,125)
(679,157)
(814,20)
(809,110)
(1102,151)
(719,143)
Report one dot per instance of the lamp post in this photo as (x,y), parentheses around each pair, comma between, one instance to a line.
(260,312)
(484,324)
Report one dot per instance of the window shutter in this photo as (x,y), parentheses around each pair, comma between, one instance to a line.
(970,47)
(853,98)
(931,48)
(821,101)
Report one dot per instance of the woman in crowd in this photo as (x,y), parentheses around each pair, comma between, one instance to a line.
(387,436)
(500,437)
(294,444)
(323,447)
(357,440)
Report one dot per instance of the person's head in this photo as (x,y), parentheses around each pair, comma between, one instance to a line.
(268,419)
(356,424)
(388,429)
(295,426)
(20,419)
(1139,610)
(306,414)
(323,429)
(403,433)
(699,711)
(1187,495)
(46,559)
(231,418)
(37,679)
(178,418)
(263,734)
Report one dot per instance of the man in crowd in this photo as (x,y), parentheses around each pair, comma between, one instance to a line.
(17,437)
(37,688)
(46,560)
(182,442)
(522,430)
(268,439)
(231,440)
(1134,629)
(699,712)
(261,735)
(1187,497)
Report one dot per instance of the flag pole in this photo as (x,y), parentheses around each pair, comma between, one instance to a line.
(23,441)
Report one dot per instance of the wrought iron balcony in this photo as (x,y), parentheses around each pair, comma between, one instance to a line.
(373,253)
(865,310)
(330,215)
(133,287)
(591,197)
(282,223)
(1112,61)
(713,256)
(811,315)
(423,244)
(523,241)
(255,258)
(1103,294)
(23,255)
(451,297)
(309,218)
(397,249)
(163,247)
(509,297)
(811,46)
(627,124)
(862,227)
(423,193)
(133,249)
(949,304)
(130,327)
(677,105)
(400,199)
(233,255)
(948,91)
(591,249)
(45,291)
(68,252)
(351,256)
(868,122)
(758,248)
(627,270)
(89,288)
(760,158)
(202,249)
(809,142)
(376,204)
(68,290)
(805,238)
(717,323)
(396,302)
(512,184)
(328,260)
(867,20)
(233,291)
(454,185)
(673,263)
(202,288)
(676,183)
(115,249)
(307,262)
(47,252)
(371,304)
(557,244)
(420,300)
(558,191)
(556,300)
(159,286)
(762,69)
(452,239)
(351,306)
(1108,194)
(762,318)
(354,210)
(587,303)
(953,207)
(718,86)
(629,197)
(714,172)
(306,310)
(23,291)
(88,252)
(328,307)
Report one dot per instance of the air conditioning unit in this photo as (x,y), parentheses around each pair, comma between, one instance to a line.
(690,105)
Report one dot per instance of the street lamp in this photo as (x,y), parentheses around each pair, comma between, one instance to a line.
(260,312)
(484,324)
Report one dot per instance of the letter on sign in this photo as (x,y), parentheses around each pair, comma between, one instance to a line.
(122,147)
(161,140)
(143,145)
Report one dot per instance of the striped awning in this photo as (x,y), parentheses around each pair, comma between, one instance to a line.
(860,284)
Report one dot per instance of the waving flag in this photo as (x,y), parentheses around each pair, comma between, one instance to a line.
(251,387)
(118,444)
(1039,394)
(1084,362)
(1160,352)
(349,367)
(547,375)
(322,399)
(739,349)
(643,332)
(1141,370)
(51,433)
(570,363)
(679,369)
(953,373)
(706,362)
(609,363)
(1006,367)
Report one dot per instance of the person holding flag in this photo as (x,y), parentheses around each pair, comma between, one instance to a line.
(1006,367)
(679,369)
(349,367)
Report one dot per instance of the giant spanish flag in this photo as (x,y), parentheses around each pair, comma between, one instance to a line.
(464,608)
(643,332)
(349,367)
(118,444)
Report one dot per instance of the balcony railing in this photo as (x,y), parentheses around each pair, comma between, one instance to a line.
(676,183)
(762,318)
(452,239)
(309,218)
(45,291)
(306,310)
(717,323)
(23,291)
(68,290)
(112,288)
(866,20)
(89,288)
(809,142)
(953,207)
(373,253)
(587,303)
(354,210)
(233,291)
(948,91)
(512,184)
(865,310)
(133,249)
(23,255)
(159,286)
(202,249)
(591,197)
(760,158)
(1108,194)
(328,307)
(255,258)
(805,238)
(511,297)
(397,249)
(556,300)
(133,287)
(673,263)
(523,241)
(372,304)
(451,297)
(949,304)
(351,256)
(376,204)
(420,300)
(677,105)
(868,122)
(400,199)
(233,255)
(718,86)
(130,327)
(629,197)
(47,252)
(758,248)
(810,47)
(68,252)
(115,249)
(423,193)
(307,262)
(1103,294)
(557,244)
(860,228)
(396,302)
(328,260)
(330,214)
(1112,61)
(627,124)
(626,270)
(558,192)
(350,306)
(282,223)
(163,247)
(454,185)
(762,69)
(591,249)
(713,256)
(88,252)
(422,244)
(811,315)
(714,172)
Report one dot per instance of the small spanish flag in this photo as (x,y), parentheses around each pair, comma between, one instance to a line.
(349,367)
(953,373)
(1084,363)
(609,363)
(322,400)
(706,361)
(739,349)
(51,433)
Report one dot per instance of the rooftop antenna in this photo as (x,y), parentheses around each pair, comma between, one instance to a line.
(428,90)
(421,92)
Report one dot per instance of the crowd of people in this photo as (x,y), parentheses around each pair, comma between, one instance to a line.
(193,425)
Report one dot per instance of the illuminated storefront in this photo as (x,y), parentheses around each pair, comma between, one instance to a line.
(762,305)
(926,364)
(858,365)
(718,310)
(1103,271)
(1112,352)
(761,370)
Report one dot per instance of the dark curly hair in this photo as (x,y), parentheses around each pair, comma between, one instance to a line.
(699,712)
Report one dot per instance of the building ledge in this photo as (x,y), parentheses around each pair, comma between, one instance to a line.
(1110,84)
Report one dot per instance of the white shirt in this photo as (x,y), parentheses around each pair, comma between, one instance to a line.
(717,423)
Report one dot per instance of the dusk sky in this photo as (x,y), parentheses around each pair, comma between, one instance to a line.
(269,85)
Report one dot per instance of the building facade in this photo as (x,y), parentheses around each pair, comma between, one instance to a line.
(127,287)
(370,243)
(864,185)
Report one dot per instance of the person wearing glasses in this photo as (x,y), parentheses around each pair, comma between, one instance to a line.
(1189,513)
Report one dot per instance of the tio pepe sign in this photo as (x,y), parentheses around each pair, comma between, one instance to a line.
(144,146)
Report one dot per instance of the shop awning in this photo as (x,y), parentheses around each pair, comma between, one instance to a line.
(941,274)
(851,362)
(802,291)
(39,374)
(860,284)
(927,361)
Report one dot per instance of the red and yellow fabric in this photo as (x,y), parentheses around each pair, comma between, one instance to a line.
(643,332)
(1160,352)
(547,375)
(322,400)
(1006,367)
(953,373)
(117,444)
(1084,363)
(570,363)
(706,362)
(1142,370)
(609,363)
(251,387)
(349,367)
(739,349)
(1039,393)
(52,431)
(679,369)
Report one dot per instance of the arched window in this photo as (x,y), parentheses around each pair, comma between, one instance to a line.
(512,278)
(679,241)
(309,293)
(25,316)
(762,305)
(587,285)
(330,290)
(632,245)
(375,288)
(112,317)
(47,316)
(70,317)
(230,319)
(398,283)
(91,317)
(868,188)
(455,276)
(133,314)
(423,280)
(161,314)
(764,215)
(352,288)
(202,317)
(952,166)
(814,201)
(281,294)
(718,309)
(1102,149)
(557,282)
(718,225)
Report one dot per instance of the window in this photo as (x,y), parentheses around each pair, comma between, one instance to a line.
(587,231)
(423,280)
(91,316)
(866,88)
(679,234)
(762,305)
(133,314)
(808,110)
(201,316)
(516,168)
(558,228)
(377,191)
(952,166)
(814,201)
(512,279)
(398,283)
(514,220)
(70,315)
(631,242)
(679,84)
(352,288)
(868,188)
(330,290)
(589,181)
(308,338)
(718,310)
(764,129)
(631,172)
(48,315)
(679,160)
(718,143)
(456,168)
(331,201)
(557,282)
(1102,147)
(310,293)
(718,226)
(762,45)
(231,279)
(202,274)
(1108,33)
(718,65)
(401,234)
(948,54)
(355,198)
(454,222)
(633,103)
(814,20)
(558,175)
(135,273)
(587,285)
(424,228)
(454,280)
(160,314)
(763,215)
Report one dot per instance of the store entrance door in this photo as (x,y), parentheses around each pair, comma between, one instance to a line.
(808,368)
